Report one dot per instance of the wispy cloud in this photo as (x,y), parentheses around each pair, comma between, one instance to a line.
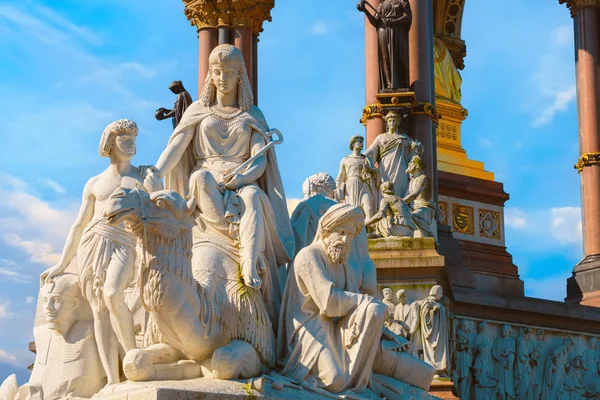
(551,95)
(321,27)
(6,357)
(49,183)
(29,300)
(485,142)
(4,310)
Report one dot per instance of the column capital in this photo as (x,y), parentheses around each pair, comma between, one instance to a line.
(231,13)
(576,5)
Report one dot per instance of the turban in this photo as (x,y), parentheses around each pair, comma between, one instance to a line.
(108,136)
(340,214)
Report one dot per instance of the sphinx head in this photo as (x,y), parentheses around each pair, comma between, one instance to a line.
(61,296)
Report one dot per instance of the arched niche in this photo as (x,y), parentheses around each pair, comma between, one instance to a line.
(447,17)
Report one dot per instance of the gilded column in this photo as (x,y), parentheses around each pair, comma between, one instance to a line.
(374,126)
(584,285)
(422,81)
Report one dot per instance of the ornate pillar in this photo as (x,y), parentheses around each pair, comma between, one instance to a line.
(207,41)
(420,41)
(238,22)
(374,126)
(584,285)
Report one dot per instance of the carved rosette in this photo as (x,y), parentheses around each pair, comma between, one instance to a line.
(576,5)
(231,13)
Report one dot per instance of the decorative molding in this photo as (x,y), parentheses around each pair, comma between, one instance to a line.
(586,160)
(576,5)
(463,219)
(232,13)
(489,224)
(402,102)
(443,212)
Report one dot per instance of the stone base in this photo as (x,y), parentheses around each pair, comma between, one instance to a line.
(443,389)
(584,286)
(213,389)
(417,258)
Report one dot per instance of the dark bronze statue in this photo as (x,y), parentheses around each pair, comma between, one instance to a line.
(181,104)
(392,18)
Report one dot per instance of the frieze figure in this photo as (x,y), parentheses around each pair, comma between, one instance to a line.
(555,369)
(503,353)
(392,19)
(358,181)
(184,100)
(524,361)
(463,359)
(538,358)
(591,359)
(484,381)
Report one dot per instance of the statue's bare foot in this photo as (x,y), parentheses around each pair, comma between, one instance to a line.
(250,274)
(137,366)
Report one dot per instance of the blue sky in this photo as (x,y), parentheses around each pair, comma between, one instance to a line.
(68,68)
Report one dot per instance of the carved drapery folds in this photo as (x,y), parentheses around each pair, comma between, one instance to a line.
(576,5)
(232,13)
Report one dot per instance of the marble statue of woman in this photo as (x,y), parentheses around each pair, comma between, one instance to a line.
(240,212)
(392,20)
(357,182)
(503,352)
(393,150)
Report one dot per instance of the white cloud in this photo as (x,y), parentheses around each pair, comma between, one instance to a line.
(562,100)
(549,95)
(515,218)
(29,299)
(566,224)
(6,357)
(320,28)
(4,313)
(49,183)
(31,225)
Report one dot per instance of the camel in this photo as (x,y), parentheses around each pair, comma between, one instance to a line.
(194,295)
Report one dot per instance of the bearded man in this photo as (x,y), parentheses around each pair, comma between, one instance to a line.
(330,331)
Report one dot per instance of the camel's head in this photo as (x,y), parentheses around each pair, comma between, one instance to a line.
(132,206)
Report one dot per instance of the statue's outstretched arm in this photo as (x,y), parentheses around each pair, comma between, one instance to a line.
(86,212)
(175,149)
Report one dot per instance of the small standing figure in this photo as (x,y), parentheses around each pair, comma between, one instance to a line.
(394,217)
(524,362)
(591,358)
(435,331)
(463,359)
(357,181)
(555,369)
(392,19)
(485,383)
(388,301)
(405,314)
(538,357)
(106,253)
(503,352)
(393,150)
(181,104)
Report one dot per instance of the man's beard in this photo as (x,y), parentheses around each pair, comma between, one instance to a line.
(338,252)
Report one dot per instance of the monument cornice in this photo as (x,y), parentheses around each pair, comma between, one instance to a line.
(229,13)
(576,5)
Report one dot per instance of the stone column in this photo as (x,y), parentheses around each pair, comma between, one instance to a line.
(375,126)
(242,39)
(422,81)
(207,41)
(255,67)
(584,285)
